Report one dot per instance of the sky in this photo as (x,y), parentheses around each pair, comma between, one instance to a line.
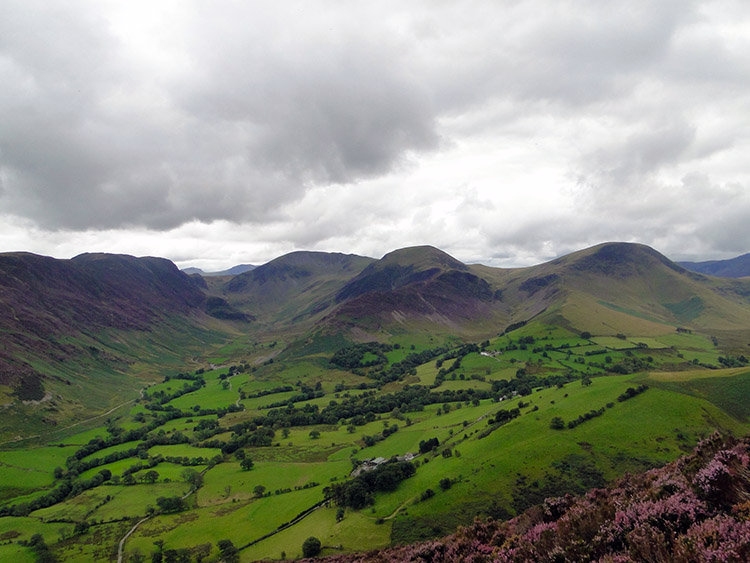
(503,132)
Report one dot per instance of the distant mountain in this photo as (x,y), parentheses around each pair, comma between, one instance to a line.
(628,288)
(233,271)
(295,286)
(738,267)
(611,288)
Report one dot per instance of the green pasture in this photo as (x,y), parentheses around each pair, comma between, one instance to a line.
(112,449)
(613,343)
(76,509)
(261,402)
(240,522)
(273,476)
(133,501)
(116,467)
(17,528)
(212,396)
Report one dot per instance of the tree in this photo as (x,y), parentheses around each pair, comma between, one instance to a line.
(246,464)
(311,547)
(151,476)
(259,490)
(190,475)
(229,553)
(314,434)
(171,504)
(557,423)
(201,552)
(285,432)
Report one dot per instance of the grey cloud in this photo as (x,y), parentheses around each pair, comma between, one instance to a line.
(252,110)
(269,117)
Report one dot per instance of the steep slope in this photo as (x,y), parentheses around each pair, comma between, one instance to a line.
(637,281)
(64,322)
(294,287)
(738,267)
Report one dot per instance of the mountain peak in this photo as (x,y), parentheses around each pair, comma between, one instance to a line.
(618,258)
(401,268)
(421,257)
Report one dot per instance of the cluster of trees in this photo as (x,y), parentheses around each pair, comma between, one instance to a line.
(407,366)
(505,415)
(307,393)
(584,417)
(351,357)
(732,362)
(631,392)
(260,437)
(428,445)
(171,504)
(40,549)
(358,492)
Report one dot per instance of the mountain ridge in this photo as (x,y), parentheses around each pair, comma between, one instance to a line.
(738,267)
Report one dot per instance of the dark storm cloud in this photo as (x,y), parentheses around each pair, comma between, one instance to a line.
(87,141)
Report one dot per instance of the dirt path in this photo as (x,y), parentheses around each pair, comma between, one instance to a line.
(126,536)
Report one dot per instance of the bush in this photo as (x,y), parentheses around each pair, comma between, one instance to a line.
(311,547)
(557,423)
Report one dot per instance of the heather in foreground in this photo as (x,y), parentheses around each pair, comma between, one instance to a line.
(695,509)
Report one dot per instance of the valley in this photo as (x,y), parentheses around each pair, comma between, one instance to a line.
(365,403)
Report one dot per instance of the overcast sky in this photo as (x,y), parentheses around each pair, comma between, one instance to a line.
(215,133)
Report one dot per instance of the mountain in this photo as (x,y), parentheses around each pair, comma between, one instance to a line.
(611,288)
(233,271)
(622,288)
(738,267)
(73,326)
(418,285)
(293,287)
